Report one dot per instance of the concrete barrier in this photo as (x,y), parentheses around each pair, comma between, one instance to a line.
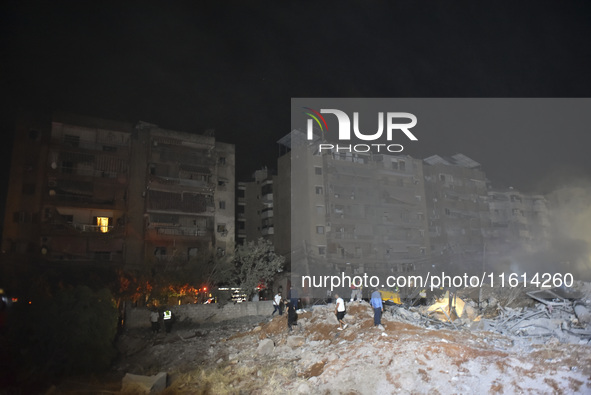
(139,317)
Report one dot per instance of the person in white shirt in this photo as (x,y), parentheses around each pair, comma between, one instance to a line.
(277,304)
(339,310)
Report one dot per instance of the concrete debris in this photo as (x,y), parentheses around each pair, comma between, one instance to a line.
(295,341)
(510,342)
(448,308)
(138,384)
(582,314)
(265,347)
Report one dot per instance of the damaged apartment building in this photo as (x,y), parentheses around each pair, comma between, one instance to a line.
(386,214)
(356,213)
(92,191)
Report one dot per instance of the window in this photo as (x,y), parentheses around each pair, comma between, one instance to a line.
(222,160)
(160,252)
(22,217)
(321,250)
(320,210)
(402,165)
(358,252)
(267,189)
(320,230)
(222,205)
(28,189)
(318,170)
(71,140)
(103,256)
(222,228)
(319,190)
(241,193)
(103,224)
(67,167)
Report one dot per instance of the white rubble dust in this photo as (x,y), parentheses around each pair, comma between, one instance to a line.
(260,355)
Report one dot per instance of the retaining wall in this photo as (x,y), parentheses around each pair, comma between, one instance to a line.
(138,317)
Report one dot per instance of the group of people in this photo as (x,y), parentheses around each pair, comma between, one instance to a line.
(375,302)
(166,318)
(340,308)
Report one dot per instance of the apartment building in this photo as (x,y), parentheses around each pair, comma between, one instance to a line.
(87,190)
(457,197)
(255,217)
(356,213)
(519,222)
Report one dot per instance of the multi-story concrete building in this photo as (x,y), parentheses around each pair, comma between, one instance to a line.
(89,190)
(457,198)
(256,207)
(518,222)
(356,213)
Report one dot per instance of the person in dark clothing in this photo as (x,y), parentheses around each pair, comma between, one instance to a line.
(292,315)
(167,320)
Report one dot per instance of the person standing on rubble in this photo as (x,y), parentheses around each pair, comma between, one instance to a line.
(378,307)
(292,315)
(154,320)
(355,293)
(167,317)
(277,304)
(339,310)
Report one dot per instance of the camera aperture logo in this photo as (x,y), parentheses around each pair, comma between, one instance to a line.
(392,128)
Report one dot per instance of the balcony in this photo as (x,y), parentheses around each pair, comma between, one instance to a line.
(269,230)
(181,231)
(93,228)
(267,214)
(268,198)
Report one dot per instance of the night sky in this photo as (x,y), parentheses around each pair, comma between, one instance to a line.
(193,66)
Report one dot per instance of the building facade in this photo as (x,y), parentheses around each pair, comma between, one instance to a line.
(86,190)
(356,213)
(255,217)
(458,212)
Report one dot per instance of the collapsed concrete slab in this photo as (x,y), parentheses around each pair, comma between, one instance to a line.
(447,309)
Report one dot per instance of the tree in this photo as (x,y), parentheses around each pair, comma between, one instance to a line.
(256,263)
(69,333)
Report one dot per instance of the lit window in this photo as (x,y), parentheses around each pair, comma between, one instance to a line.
(103,224)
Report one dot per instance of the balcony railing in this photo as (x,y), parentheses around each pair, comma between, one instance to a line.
(93,228)
(182,231)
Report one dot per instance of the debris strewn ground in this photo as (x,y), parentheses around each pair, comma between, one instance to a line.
(510,346)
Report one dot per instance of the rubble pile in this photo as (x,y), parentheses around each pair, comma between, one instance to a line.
(524,346)
(539,315)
